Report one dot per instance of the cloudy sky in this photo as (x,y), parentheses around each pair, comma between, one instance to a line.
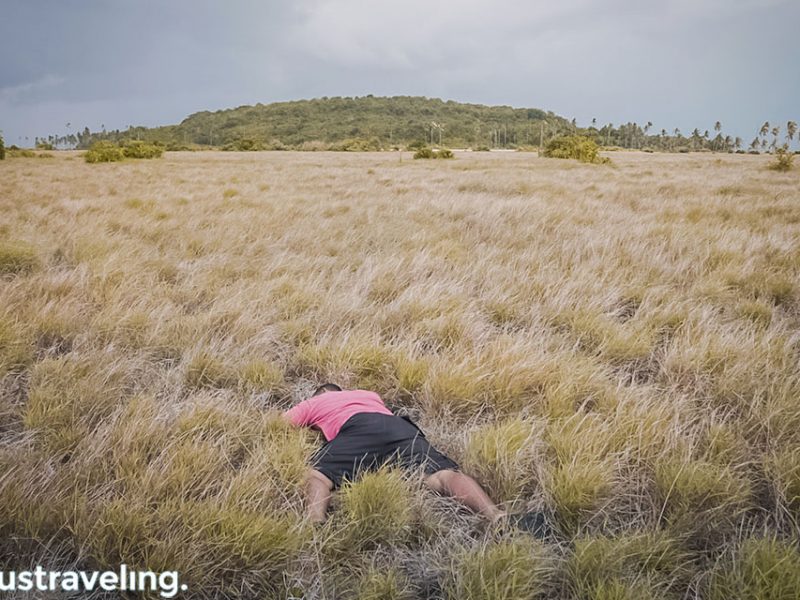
(677,63)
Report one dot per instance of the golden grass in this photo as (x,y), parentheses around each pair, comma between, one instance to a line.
(617,347)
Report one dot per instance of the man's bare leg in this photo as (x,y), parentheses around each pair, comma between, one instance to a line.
(318,496)
(466,490)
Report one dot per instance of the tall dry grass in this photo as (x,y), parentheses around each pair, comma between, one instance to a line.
(616,346)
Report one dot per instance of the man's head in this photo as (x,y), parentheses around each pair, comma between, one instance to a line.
(326,387)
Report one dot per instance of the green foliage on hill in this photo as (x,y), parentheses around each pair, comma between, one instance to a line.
(2,149)
(579,147)
(352,124)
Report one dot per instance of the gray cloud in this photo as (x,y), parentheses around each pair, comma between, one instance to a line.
(679,63)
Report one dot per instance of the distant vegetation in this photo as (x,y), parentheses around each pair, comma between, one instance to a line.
(105,151)
(349,124)
(783,160)
(579,147)
(433,153)
(356,124)
(2,149)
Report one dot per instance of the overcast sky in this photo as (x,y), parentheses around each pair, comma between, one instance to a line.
(677,63)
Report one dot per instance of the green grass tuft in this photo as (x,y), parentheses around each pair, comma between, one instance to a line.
(386,584)
(17,258)
(208,371)
(517,569)
(378,508)
(761,569)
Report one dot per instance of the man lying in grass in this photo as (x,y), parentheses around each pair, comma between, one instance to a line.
(363,434)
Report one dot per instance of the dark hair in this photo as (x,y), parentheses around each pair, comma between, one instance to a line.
(326,387)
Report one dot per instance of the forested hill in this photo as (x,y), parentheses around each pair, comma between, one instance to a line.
(375,121)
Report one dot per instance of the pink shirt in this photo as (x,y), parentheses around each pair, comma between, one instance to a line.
(329,411)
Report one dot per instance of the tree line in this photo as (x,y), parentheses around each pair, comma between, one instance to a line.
(371,122)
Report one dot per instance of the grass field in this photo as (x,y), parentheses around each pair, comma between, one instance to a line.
(617,346)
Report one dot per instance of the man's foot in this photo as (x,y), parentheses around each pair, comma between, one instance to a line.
(535,523)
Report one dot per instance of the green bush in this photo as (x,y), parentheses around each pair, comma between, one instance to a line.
(2,149)
(138,149)
(358,145)
(243,145)
(44,146)
(104,152)
(578,147)
(15,152)
(433,153)
(783,160)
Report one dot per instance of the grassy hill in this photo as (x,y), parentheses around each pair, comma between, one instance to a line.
(375,121)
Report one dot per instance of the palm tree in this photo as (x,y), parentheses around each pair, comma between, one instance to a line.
(764,129)
(696,137)
(791,129)
(717,128)
(754,144)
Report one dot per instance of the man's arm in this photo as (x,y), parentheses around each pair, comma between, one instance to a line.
(299,415)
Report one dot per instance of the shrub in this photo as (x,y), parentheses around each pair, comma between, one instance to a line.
(104,152)
(44,146)
(2,148)
(433,153)
(139,149)
(579,147)
(17,257)
(358,145)
(243,145)
(783,160)
(15,152)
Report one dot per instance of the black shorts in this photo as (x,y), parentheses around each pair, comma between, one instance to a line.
(368,440)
